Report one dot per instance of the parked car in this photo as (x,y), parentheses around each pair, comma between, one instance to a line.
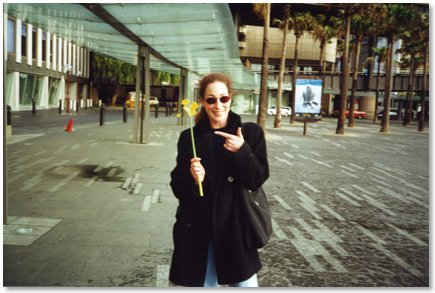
(393,114)
(356,114)
(285,111)
(154,101)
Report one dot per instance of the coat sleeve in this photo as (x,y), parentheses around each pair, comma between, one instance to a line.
(251,162)
(182,183)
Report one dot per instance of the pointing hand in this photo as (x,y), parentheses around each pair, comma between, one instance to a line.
(232,142)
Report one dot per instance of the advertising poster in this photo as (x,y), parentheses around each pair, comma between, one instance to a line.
(308,96)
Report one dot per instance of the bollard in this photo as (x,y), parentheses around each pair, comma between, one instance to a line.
(8,115)
(157,111)
(124,113)
(33,107)
(77,106)
(171,108)
(102,110)
(60,107)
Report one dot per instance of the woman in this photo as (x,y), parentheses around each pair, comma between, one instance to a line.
(208,242)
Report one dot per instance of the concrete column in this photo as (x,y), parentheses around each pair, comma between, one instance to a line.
(38,44)
(29,43)
(5,38)
(15,92)
(139,68)
(42,95)
(73,59)
(367,104)
(181,93)
(147,91)
(59,54)
(18,28)
(47,50)
(54,53)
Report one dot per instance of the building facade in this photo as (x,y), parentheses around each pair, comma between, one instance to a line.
(43,70)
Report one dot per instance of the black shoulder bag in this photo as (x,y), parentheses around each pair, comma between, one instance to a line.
(256,218)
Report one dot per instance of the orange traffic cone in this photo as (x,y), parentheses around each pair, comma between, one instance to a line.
(69,127)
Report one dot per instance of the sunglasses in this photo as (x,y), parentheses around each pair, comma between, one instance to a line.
(223,99)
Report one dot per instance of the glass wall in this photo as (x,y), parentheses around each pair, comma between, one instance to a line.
(27,89)
(9,89)
(54,91)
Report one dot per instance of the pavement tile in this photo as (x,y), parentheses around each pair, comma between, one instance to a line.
(322,239)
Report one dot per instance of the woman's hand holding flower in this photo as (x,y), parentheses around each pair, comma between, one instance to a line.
(197,170)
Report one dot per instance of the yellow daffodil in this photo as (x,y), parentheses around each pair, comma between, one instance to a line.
(190,109)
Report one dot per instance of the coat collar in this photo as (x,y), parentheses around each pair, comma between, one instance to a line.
(234,121)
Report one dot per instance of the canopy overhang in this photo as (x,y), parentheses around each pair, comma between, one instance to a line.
(198,37)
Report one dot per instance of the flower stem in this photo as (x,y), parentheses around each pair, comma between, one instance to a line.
(201,192)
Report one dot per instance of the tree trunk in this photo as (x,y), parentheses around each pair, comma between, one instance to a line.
(423,94)
(356,54)
(375,118)
(385,125)
(321,59)
(116,94)
(295,73)
(261,118)
(277,123)
(409,97)
(344,87)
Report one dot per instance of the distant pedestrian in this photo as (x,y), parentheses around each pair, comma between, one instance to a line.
(208,240)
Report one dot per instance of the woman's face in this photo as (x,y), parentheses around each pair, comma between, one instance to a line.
(217,102)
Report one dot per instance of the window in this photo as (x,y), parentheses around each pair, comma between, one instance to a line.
(44,46)
(51,57)
(23,40)
(11,36)
(34,43)
(27,89)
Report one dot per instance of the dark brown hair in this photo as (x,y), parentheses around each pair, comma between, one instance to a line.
(205,81)
(208,79)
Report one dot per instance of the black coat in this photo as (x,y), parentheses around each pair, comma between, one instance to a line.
(214,217)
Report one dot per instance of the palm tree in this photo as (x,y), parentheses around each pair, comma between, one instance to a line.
(343,30)
(413,51)
(398,15)
(424,35)
(300,22)
(381,54)
(360,24)
(324,33)
(262,10)
(284,26)
(412,63)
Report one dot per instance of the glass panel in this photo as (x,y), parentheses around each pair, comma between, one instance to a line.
(27,88)
(9,89)
(39,89)
(198,37)
(54,91)
(11,36)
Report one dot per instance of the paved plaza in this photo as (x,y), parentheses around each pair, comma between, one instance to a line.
(89,208)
